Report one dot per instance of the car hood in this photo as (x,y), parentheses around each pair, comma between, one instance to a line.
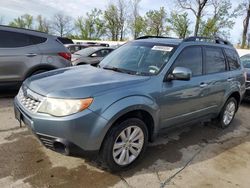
(80,82)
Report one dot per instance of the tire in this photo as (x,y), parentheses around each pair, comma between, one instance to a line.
(221,120)
(108,152)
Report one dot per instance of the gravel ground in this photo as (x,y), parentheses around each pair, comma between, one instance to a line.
(194,156)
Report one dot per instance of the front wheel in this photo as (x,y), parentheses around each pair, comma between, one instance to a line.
(124,144)
(228,112)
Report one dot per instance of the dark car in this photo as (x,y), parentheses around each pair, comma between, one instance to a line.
(140,89)
(26,52)
(91,55)
(246,63)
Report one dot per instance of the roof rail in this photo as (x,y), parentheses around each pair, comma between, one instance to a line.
(216,40)
(149,37)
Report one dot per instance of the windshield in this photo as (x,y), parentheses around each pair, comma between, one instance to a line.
(245,61)
(86,51)
(139,58)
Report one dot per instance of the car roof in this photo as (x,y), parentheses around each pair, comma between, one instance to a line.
(25,31)
(189,40)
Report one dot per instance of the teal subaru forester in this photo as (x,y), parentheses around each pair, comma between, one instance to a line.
(146,85)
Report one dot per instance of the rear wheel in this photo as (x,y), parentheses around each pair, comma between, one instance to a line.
(228,112)
(124,144)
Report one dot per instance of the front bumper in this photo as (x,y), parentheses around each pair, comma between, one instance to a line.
(83,130)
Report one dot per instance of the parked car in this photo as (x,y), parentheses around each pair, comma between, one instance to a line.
(76,47)
(245,59)
(91,55)
(143,87)
(26,52)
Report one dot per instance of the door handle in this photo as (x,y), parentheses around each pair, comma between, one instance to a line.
(230,79)
(202,85)
(31,55)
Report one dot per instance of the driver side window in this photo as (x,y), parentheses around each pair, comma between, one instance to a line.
(191,58)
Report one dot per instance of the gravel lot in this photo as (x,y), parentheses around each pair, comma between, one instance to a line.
(195,156)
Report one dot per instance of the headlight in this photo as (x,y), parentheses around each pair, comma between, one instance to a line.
(64,107)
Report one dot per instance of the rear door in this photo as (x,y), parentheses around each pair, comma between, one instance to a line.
(218,78)
(17,54)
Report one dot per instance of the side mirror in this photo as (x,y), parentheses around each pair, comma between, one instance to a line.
(94,55)
(180,73)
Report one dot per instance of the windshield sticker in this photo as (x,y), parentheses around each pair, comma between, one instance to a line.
(163,48)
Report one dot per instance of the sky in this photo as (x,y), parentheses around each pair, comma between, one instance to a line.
(10,9)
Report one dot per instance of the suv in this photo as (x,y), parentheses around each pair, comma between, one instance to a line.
(26,52)
(144,86)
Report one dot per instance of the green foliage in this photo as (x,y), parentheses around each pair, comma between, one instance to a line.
(155,21)
(91,27)
(24,21)
(111,17)
(220,22)
(179,24)
(42,24)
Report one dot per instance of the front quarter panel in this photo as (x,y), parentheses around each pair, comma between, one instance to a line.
(128,104)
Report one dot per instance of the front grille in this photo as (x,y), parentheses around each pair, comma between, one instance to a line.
(28,101)
(47,141)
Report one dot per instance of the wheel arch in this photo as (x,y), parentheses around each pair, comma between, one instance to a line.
(39,67)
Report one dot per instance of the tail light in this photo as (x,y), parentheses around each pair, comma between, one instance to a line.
(65,55)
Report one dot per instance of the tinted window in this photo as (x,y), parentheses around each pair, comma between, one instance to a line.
(13,39)
(232,59)
(191,58)
(36,40)
(215,61)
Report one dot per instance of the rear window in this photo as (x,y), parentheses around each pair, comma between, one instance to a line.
(10,39)
(65,40)
(232,59)
(215,60)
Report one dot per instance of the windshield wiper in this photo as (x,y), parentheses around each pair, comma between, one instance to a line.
(119,70)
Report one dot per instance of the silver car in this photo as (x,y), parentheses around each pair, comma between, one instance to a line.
(26,52)
(90,55)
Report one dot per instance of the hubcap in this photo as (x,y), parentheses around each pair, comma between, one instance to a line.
(128,145)
(229,113)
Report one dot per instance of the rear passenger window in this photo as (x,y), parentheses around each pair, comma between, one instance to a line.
(191,58)
(232,59)
(13,40)
(215,60)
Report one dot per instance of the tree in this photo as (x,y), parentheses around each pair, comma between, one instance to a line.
(62,24)
(244,10)
(42,24)
(91,27)
(24,21)
(111,17)
(155,20)
(197,8)
(179,24)
(137,23)
(222,19)
(122,8)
